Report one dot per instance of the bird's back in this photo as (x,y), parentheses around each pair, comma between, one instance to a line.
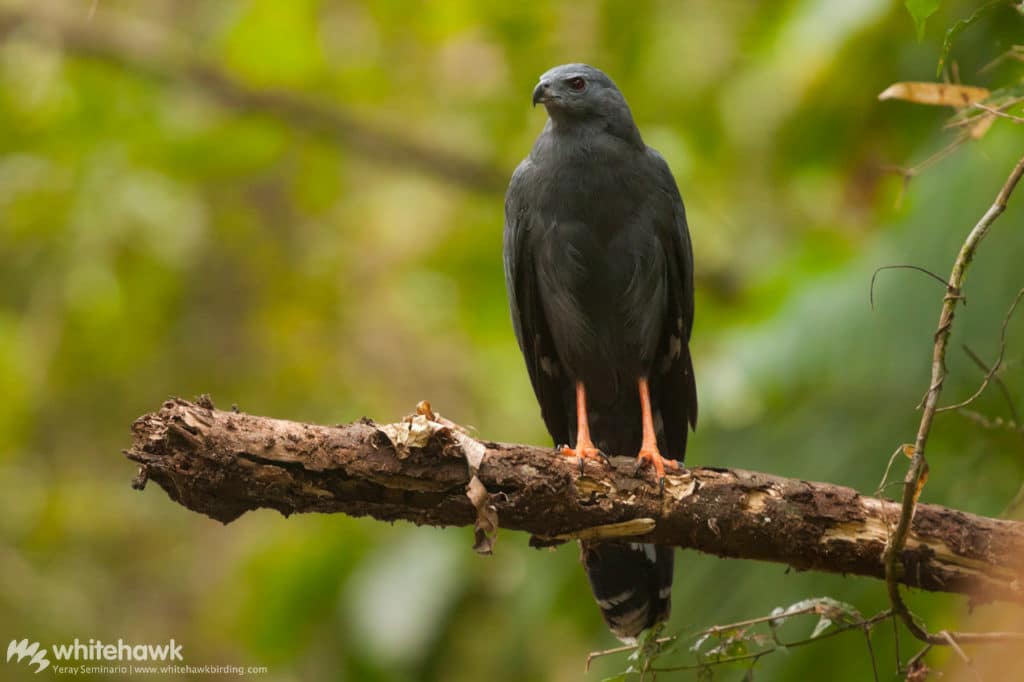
(602,276)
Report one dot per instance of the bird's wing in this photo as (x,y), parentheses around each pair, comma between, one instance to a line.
(673,368)
(531,328)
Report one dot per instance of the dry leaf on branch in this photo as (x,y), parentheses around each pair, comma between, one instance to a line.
(486,527)
(936,94)
(943,95)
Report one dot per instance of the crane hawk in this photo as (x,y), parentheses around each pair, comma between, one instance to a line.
(599,273)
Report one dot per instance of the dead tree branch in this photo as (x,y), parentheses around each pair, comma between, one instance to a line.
(143,49)
(223,464)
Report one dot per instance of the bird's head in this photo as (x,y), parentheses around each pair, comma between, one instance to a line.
(579,93)
(577,90)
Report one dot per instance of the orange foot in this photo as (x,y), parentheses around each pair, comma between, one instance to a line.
(583,453)
(659,462)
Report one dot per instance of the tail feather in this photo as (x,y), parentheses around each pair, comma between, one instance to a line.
(632,584)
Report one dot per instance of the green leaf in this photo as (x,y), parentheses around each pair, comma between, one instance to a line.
(920,10)
(953,31)
(621,677)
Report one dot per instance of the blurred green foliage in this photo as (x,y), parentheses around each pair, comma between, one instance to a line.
(920,10)
(153,242)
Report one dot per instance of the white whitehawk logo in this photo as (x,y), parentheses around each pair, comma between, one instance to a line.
(31,651)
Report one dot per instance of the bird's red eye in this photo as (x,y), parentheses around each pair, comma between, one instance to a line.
(577,83)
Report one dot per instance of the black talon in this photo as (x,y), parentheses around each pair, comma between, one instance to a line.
(661,485)
(582,468)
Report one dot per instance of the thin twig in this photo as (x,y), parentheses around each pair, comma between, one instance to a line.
(719,629)
(995,366)
(896,645)
(713,630)
(908,450)
(721,661)
(992,422)
(1015,52)
(1000,384)
(999,112)
(960,652)
(916,658)
(917,472)
(871,289)
(908,173)
(864,625)
(871,652)
(622,649)
(967,117)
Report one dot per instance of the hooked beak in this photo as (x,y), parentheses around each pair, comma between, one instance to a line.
(540,93)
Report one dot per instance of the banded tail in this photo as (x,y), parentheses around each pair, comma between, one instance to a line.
(632,583)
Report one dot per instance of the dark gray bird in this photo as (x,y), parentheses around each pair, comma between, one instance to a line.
(599,272)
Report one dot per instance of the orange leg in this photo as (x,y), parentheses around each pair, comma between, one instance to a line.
(584,446)
(649,448)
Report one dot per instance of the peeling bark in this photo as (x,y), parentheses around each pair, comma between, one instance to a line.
(223,464)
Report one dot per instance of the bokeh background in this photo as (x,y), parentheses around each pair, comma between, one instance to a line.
(162,235)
